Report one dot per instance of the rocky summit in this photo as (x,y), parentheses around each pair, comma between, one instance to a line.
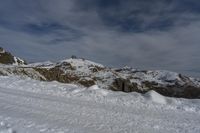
(87,73)
(8,58)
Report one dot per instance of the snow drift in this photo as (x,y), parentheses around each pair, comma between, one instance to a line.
(28,105)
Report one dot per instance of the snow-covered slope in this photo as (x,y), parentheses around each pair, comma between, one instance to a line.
(30,106)
(88,104)
(87,73)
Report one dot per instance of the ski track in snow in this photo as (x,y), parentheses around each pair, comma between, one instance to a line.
(57,108)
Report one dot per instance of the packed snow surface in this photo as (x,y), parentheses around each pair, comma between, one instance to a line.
(30,106)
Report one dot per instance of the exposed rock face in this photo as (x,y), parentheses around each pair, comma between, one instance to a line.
(66,72)
(56,74)
(87,73)
(87,82)
(6,70)
(165,82)
(124,85)
(8,58)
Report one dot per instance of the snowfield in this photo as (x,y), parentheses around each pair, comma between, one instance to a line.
(30,106)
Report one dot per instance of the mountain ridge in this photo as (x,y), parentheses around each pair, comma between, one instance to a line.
(87,73)
(9,59)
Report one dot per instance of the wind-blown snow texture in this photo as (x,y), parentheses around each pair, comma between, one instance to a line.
(32,106)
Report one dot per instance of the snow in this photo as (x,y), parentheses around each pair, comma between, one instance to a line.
(28,105)
(81,62)
(2,51)
(158,76)
(82,66)
(155,97)
(4,128)
(88,70)
(17,60)
(96,91)
(46,64)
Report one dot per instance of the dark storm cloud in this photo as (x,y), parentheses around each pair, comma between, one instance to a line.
(142,33)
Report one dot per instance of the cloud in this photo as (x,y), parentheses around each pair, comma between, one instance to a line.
(134,15)
(143,34)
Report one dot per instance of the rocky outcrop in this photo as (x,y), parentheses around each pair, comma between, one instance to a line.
(56,74)
(124,85)
(186,91)
(8,58)
(87,73)
(6,70)
(126,80)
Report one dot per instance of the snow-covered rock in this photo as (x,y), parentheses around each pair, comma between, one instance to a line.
(47,64)
(87,73)
(8,58)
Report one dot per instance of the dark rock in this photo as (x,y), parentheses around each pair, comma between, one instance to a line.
(7,58)
(124,85)
(125,79)
(86,82)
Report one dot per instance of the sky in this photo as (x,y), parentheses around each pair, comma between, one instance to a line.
(144,34)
